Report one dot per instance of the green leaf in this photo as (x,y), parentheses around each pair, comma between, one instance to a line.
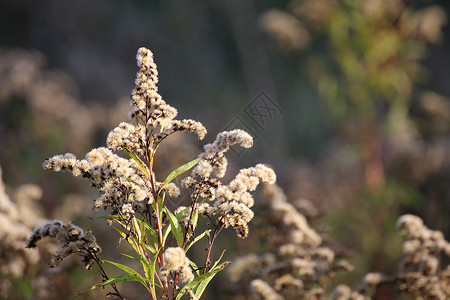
(129,240)
(152,239)
(142,228)
(217,261)
(149,228)
(128,270)
(137,228)
(146,265)
(183,213)
(166,234)
(176,228)
(194,219)
(196,240)
(199,280)
(179,171)
(152,271)
(130,180)
(112,217)
(122,278)
(150,248)
(129,256)
(120,232)
(194,266)
(204,283)
(138,161)
(161,204)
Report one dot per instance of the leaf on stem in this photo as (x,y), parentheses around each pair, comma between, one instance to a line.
(152,274)
(197,239)
(122,278)
(194,219)
(201,281)
(138,161)
(183,213)
(137,228)
(179,171)
(175,227)
(130,271)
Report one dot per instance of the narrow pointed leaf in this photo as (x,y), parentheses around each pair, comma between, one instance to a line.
(112,217)
(194,219)
(217,261)
(138,161)
(129,256)
(137,228)
(194,267)
(152,271)
(176,228)
(179,171)
(196,240)
(128,270)
(204,283)
(198,280)
(122,278)
(183,213)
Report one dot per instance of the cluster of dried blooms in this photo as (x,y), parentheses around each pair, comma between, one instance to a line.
(118,179)
(17,219)
(32,90)
(420,272)
(129,187)
(123,184)
(72,240)
(296,263)
(177,262)
(229,205)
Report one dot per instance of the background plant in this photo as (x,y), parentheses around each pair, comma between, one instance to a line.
(299,262)
(367,64)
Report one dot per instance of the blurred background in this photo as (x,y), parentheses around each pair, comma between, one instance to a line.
(347,100)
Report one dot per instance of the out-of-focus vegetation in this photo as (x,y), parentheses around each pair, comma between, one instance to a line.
(363,87)
(366,59)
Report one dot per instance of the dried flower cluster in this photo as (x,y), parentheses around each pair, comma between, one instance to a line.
(296,263)
(122,181)
(119,180)
(419,270)
(17,218)
(150,111)
(365,288)
(230,203)
(71,238)
(177,262)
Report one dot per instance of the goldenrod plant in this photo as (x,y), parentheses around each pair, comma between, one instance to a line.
(137,199)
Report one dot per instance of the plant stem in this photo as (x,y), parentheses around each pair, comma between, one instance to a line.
(158,221)
(217,230)
(105,276)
